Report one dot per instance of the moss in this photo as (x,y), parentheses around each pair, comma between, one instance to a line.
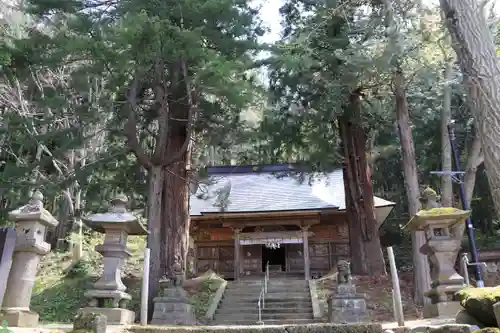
(334,328)
(441,211)
(57,299)
(202,298)
(478,302)
(429,192)
(91,322)
(87,318)
(488,330)
(81,331)
(311,328)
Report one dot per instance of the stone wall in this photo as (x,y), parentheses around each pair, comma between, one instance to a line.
(314,328)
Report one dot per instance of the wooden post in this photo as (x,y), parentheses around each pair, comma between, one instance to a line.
(195,258)
(237,254)
(307,264)
(398,304)
(145,288)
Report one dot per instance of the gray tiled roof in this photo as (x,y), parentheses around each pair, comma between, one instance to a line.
(264,192)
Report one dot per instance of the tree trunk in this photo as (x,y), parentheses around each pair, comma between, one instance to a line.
(420,264)
(176,195)
(366,252)
(446,161)
(156,266)
(475,158)
(475,48)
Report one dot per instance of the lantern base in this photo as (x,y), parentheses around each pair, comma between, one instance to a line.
(114,316)
(442,310)
(16,318)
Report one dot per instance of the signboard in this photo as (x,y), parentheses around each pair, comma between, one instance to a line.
(265,241)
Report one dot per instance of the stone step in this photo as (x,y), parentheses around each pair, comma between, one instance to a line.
(270,305)
(267,304)
(255,314)
(254,317)
(248,322)
(240,309)
(245,290)
(283,294)
(303,284)
(270,297)
(259,287)
(271,282)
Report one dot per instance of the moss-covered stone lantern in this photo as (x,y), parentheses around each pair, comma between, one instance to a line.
(108,296)
(441,244)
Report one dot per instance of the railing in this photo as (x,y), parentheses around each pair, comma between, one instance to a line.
(262,296)
(464,263)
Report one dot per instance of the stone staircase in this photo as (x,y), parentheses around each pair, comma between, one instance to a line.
(288,301)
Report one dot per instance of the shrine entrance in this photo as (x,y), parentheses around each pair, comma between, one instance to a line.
(275,256)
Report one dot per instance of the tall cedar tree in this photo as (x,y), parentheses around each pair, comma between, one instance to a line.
(173,69)
(318,98)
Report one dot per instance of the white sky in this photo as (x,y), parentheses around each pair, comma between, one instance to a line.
(271,17)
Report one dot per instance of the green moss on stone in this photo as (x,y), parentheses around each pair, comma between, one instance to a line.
(440,211)
(311,328)
(429,192)
(335,328)
(81,331)
(478,302)
(488,330)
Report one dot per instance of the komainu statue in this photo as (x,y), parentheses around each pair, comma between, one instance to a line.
(430,199)
(344,271)
(177,271)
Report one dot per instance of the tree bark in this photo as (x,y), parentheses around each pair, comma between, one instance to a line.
(366,251)
(176,203)
(420,264)
(475,158)
(475,49)
(446,160)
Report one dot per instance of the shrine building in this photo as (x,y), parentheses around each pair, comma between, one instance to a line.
(250,216)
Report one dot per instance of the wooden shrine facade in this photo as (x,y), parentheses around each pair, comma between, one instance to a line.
(294,242)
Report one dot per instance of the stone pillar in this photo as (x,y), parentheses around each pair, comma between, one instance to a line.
(117,224)
(32,222)
(237,254)
(307,263)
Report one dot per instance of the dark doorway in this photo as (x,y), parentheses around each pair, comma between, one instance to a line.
(275,257)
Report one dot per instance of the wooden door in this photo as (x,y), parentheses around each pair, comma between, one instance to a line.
(294,258)
(226,261)
(252,259)
(319,255)
(206,258)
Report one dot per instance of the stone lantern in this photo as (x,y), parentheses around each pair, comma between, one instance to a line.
(32,223)
(108,296)
(440,247)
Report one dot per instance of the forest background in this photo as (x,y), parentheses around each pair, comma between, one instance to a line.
(100,97)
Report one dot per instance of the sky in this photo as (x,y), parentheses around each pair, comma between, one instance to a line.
(271,17)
